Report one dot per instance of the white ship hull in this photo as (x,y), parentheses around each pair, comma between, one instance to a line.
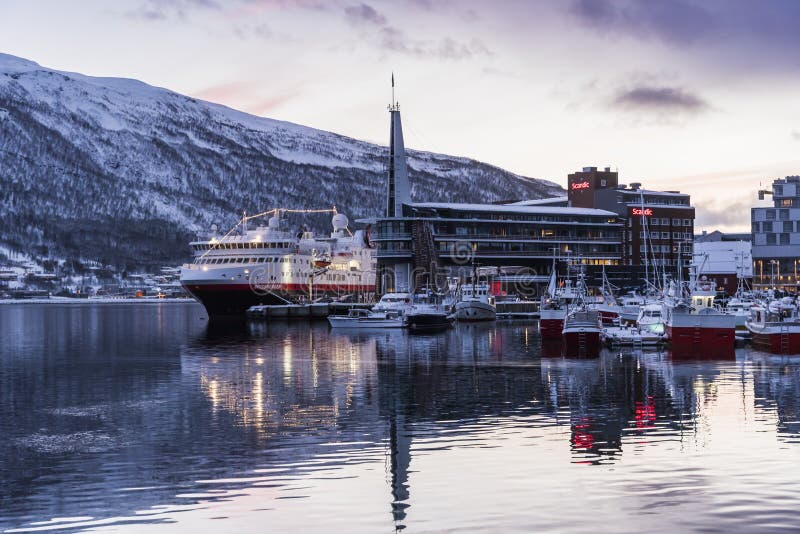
(474,310)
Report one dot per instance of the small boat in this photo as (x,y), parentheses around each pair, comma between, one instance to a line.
(427,318)
(632,336)
(630,304)
(651,319)
(740,308)
(427,314)
(399,302)
(358,318)
(475,304)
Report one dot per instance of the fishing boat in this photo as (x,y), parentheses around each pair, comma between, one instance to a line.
(475,304)
(697,327)
(775,327)
(581,332)
(554,306)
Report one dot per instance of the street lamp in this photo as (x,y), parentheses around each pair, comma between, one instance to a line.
(773,263)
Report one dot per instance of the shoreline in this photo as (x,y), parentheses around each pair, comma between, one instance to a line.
(75,301)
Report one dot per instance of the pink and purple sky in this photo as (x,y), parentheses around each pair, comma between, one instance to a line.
(700,96)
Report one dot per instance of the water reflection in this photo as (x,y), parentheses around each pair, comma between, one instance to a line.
(135,418)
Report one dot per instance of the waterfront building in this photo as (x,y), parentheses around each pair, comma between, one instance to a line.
(440,237)
(416,241)
(776,236)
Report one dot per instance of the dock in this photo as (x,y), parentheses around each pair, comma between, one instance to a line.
(304,311)
(505,310)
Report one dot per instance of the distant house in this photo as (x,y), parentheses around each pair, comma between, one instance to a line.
(725,262)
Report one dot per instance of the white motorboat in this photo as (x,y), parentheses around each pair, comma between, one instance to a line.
(367,319)
(632,336)
(651,319)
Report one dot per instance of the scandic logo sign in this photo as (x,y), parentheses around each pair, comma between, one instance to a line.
(647,212)
(581,185)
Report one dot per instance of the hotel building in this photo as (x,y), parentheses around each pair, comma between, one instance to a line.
(659,225)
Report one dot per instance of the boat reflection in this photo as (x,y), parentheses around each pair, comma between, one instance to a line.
(382,387)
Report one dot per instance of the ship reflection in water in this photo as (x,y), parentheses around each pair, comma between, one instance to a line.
(144,418)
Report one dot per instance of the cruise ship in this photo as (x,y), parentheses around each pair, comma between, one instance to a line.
(273,265)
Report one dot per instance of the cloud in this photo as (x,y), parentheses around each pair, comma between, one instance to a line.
(364,14)
(725,215)
(165,9)
(395,40)
(676,22)
(660,99)
(379,33)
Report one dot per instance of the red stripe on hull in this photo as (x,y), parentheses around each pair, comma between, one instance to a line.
(551,328)
(582,344)
(777,343)
(695,341)
(233,300)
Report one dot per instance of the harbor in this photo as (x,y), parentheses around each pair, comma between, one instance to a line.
(273,419)
(399,267)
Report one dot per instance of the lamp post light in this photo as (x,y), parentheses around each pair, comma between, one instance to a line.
(773,263)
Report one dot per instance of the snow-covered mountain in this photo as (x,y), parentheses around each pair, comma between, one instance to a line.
(117,171)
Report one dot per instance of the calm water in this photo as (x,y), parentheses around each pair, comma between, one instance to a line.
(141,418)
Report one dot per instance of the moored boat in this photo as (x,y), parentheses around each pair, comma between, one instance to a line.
(581,333)
(359,318)
(775,327)
(271,265)
(475,304)
(698,328)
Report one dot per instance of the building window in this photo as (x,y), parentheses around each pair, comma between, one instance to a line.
(784,214)
(676,235)
(770,214)
(766,226)
(676,222)
(777,189)
(687,222)
(770,239)
(784,239)
(664,235)
(787,203)
(787,226)
(687,235)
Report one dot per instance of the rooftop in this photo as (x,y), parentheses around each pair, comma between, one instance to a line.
(496,208)
(540,201)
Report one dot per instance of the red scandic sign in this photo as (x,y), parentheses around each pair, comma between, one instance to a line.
(580,185)
(647,212)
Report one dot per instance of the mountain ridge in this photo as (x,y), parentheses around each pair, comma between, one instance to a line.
(123,173)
